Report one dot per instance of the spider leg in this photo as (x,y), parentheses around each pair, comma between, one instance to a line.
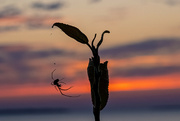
(52,74)
(62,82)
(66,89)
(64,94)
(56,87)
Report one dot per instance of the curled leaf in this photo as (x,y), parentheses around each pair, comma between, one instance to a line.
(72,32)
(100,42)
(103,82)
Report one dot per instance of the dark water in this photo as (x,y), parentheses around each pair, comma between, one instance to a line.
(87,116)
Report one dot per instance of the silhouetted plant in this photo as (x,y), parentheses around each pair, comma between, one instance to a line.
(97,72)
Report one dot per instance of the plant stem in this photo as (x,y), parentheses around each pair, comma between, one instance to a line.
(95,90)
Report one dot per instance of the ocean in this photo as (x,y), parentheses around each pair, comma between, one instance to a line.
(88,116)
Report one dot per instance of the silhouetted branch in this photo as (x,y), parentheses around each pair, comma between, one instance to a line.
(97,75)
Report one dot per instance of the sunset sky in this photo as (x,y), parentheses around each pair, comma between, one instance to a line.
(143,48)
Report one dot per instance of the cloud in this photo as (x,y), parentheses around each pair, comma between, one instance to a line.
(1,60)
(36,23)
(29,22)
(14,65)
(20,52)
(14,17)
(94,1)
(40,22)
(9,11)
(8,28)
(47,6)
(47,53)
(33,111)
(114,14)
(146,47)
(167,2)
(19,64)
(172,2)
(145,71)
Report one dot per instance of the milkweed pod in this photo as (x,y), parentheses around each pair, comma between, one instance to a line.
(91,76)
(103,82)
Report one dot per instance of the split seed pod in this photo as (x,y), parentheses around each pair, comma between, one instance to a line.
(103,82)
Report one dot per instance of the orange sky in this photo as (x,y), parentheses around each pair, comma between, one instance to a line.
(81,87)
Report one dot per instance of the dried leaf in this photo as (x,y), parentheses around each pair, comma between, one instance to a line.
(72,32)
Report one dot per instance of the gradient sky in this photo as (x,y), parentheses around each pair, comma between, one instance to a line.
(142,49)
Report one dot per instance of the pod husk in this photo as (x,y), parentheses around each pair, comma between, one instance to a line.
(103,82)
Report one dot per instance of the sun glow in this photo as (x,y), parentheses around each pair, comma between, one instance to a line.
(82,87)
(146,83)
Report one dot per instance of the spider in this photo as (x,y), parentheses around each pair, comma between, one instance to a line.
(57,85)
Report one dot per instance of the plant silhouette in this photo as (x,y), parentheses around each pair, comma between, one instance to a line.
(57,85)
(97,72)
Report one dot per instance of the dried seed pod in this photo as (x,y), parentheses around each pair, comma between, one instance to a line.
(103,82)
(91,75)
